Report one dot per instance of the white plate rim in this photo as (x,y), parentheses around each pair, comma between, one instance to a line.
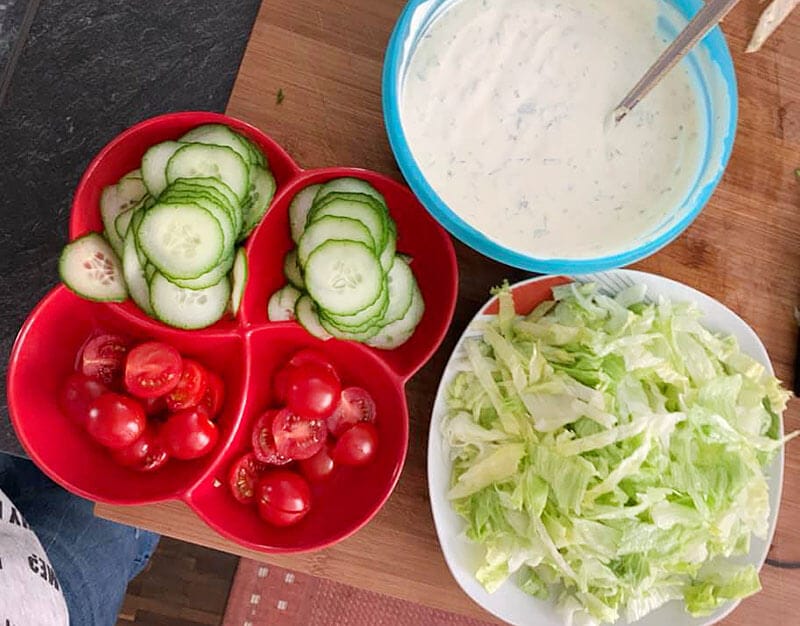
(530,611)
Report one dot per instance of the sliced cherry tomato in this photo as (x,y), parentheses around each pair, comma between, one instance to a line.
(152,369)
(298,437)
(355,405)
(103,358)
(115,420)
(77,393)
(307,355)
(189,434)
(357,445)
(146,454)
(264,442)
(312,390)
(244,477)
(320,466)
(214,396)
(190,388)
(284,497)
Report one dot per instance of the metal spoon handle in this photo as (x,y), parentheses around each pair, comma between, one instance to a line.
(705,19)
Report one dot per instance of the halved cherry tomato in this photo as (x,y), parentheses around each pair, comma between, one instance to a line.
(284,497)
(312,390)
(320,466)
(190,388)
(146,454)
(264,442)
(214,396)
(298,437)
(77,393)
(115,420)
(103,358)
(357,445)
(189,434)
(355,405)
(244,477)
(152,369)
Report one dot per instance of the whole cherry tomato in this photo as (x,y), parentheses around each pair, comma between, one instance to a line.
(284,497)
(189,434)
(77,393)
(357,446)
(146,454)
(115,420)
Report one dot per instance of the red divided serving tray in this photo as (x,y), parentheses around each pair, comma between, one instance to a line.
(245,351)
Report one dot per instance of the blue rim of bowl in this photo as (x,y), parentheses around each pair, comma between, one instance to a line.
(717,48)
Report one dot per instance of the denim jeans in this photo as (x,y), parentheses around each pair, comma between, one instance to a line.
(94,559)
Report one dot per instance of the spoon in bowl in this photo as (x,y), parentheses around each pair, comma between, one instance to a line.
(705,19)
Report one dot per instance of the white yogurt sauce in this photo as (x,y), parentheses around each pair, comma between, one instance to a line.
(505,107)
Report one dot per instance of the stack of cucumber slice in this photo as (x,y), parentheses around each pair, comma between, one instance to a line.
(172,227)
(346,279)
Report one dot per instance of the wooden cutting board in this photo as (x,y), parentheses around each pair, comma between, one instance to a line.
(324,59)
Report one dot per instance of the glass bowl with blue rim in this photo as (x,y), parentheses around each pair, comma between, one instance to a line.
(713,77)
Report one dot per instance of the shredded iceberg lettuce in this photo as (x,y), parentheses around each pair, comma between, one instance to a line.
(609,454)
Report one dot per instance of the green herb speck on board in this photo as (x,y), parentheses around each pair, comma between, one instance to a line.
(279,96)
(797,173)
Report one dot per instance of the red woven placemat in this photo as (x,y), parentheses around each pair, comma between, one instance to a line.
(267,595)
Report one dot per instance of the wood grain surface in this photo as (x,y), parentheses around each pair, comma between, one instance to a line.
(325,58)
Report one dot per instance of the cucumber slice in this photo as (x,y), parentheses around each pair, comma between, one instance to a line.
(292,270)
(401,283)
(365,318)
(204,201)
(306,314)
(154,166)
(329,228)
(181,240)
(212,277)
(136,221)
(257,156)
(239,276)
(134,274)
(281,305)
(131,185)
(89,267)
(343,277)
(218,191)
(354,206)
(124,219)
(262,190)
(188,308)
(116,200)
(218,135)
(299,208)
(335,331)
(390,247)
(197,160)
(400,290)
(349,185)
(397,333)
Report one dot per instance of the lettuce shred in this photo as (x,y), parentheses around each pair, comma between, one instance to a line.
(609,454)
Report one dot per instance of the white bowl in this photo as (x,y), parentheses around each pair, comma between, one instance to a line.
(509,602)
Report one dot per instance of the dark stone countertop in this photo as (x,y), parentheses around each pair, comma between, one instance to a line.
(73,74)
